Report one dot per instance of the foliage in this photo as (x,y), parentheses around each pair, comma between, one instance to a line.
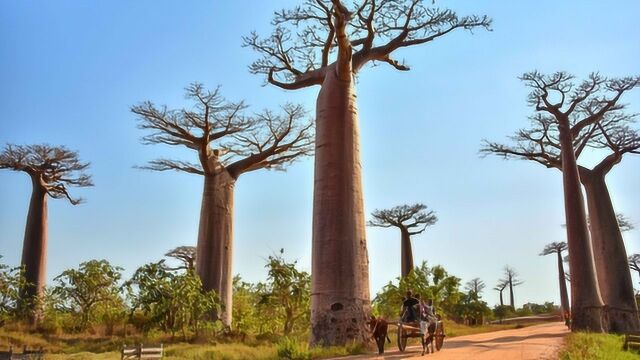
(172,300)
(288,289)
(82,291)
(595,346)
(473,309)
(11,281)
(429,282)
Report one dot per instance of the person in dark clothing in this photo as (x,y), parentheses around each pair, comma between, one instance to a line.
(409,308)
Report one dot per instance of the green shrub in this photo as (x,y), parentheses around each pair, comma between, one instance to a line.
(293,350)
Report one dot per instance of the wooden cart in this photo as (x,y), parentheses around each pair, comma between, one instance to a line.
(412,330)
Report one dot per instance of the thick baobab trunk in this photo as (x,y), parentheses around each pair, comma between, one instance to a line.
(215,236)
(34,250)
(614,277)
(340,266)
(407,253)
(587,306)
(501,300)
(564,296)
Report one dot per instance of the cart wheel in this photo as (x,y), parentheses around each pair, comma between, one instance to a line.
(402,338)
(439,336)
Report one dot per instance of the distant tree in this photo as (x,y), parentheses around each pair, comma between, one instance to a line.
(474,287)
(511,277)
(502,311)
(566,115)
(410,220)
(228,143)
(502,284)
(624,223)
(82,290)
(186,255)
(52,170)
(471,308)
(557,248)
(326,43)
(430,282)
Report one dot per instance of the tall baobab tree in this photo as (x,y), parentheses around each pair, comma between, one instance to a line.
(52,170)
(475,286)
(186,255)
(326,43)
(567,115)
(502,284)
(511,278)
(557,248)
(228,143)
(611,133)
(410,220)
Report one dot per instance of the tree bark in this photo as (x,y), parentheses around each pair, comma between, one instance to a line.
(407,253)
(564,296)
(501,300)
(340,266)
(215,236)
(587,306)
(34,250)
(614,277)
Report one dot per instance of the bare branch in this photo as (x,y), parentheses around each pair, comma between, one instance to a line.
(54,167)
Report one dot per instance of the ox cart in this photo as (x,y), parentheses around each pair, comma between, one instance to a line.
(412,329)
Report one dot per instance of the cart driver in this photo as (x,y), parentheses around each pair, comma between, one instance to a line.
(408,313)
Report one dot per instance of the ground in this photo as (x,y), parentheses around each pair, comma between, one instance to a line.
(536,342)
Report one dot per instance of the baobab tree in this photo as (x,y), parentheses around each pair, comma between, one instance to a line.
(566,117)
(410,220)
(326,43)
(228,143)
(52,169)
(475,286)
(557,248)
(511,278)
(502,284)
(611,133)
(186,255)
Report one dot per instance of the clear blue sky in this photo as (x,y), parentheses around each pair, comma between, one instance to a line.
(70,70)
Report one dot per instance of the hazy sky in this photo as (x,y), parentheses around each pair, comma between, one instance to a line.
(70,70)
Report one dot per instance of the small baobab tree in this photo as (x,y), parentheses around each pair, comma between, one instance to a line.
(186,255)
(568,114)
(475,287)
(228,143)
(410,220)
(511,278)
(326,43)
(500,286)
(612,135)
(52,170)
(557,248)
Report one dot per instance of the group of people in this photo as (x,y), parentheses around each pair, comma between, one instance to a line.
(416,309)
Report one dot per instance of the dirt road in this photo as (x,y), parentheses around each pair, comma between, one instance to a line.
(534,342)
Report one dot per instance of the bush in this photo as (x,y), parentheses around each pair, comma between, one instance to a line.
(293,350)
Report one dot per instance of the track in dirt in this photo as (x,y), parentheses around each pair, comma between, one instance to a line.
(534,342)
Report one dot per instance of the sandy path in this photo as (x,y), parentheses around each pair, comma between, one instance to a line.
(533,342)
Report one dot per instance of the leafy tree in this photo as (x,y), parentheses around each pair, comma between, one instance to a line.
(430,283)
(82,290)
(12,280)
(289,289)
